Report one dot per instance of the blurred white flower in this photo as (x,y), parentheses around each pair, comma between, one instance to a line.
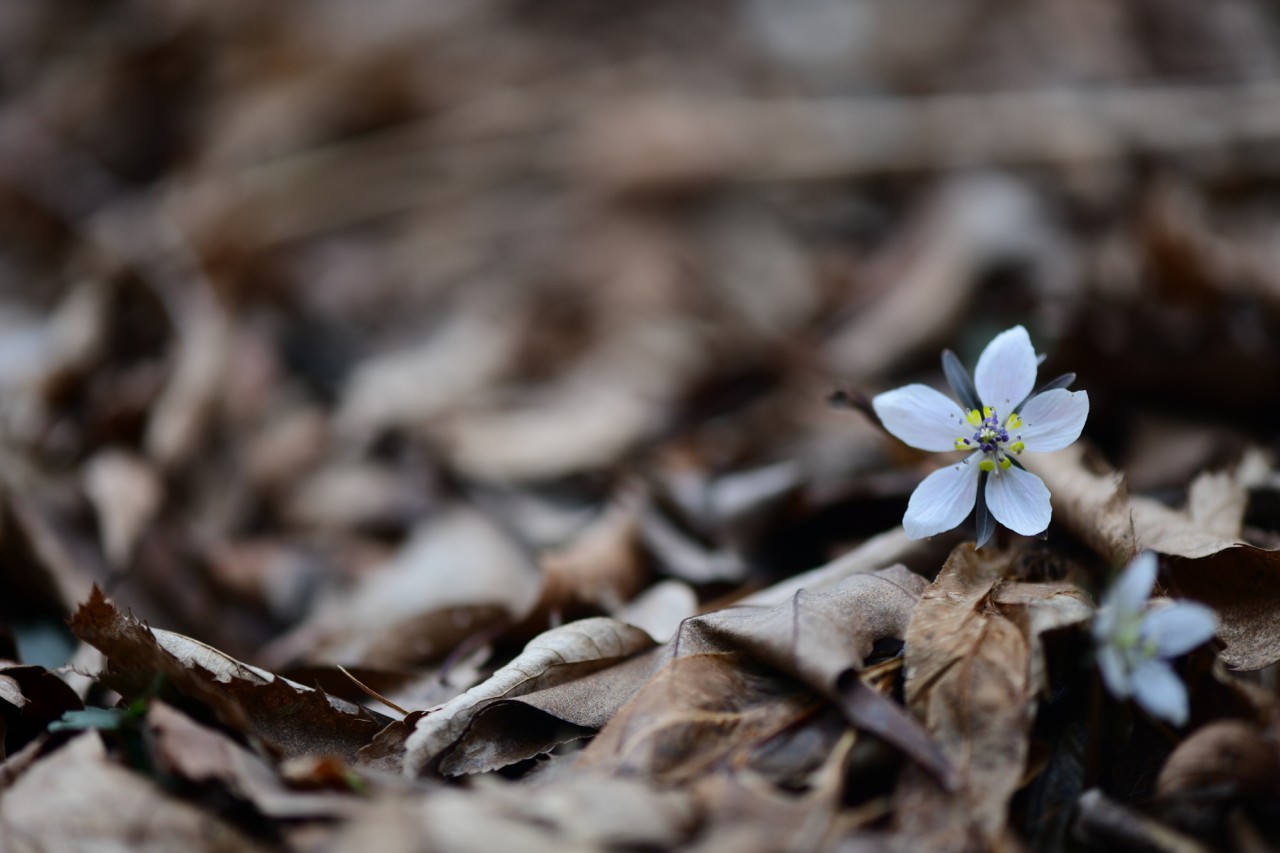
(999,421)
(1135,642)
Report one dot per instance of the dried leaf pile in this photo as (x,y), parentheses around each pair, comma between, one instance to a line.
(440,426)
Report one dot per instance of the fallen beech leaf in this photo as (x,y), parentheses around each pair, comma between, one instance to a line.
(103,806)
(458,576)
(559,655)
(287,717)
(971,675)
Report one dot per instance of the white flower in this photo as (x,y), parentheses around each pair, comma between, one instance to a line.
(1000,421)
(1135,644)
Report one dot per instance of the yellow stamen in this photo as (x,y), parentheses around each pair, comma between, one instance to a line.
(1005,463)
(987,465)
(963,444)
(1015,421)
(974,417)
(1017,447)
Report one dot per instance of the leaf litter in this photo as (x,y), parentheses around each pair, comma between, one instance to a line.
(414,426)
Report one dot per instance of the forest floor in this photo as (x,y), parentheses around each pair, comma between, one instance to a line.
(454,426)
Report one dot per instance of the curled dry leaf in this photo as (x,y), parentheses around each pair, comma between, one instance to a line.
(971,675)
(558,656)
(101,805)
(289,718)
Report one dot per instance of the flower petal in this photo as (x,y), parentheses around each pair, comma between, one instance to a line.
(1179,628)
(922,417)
(1019,500)
(1159,690)
(1053,420)
(1131,590)
(943,499)
(1006,370)
(1114,675)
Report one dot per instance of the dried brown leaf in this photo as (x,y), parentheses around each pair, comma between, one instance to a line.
(821,638)
(702,712)
(560,655)
(287,717)
(971,675)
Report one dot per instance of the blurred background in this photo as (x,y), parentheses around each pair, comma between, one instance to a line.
(320,322)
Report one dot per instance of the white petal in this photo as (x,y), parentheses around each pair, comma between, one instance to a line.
(1131,590)
(1006,370)
(943,499)
(922,417)
(1052,420)
(1111,665)
(1019,500)
(1158,689)
(1179,628)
